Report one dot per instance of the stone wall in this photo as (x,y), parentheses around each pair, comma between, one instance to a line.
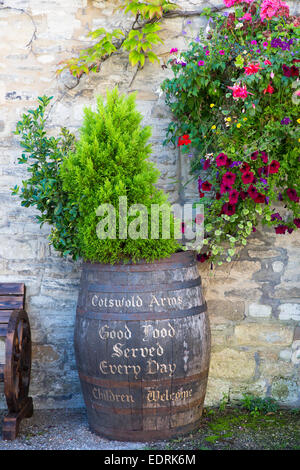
(254,303)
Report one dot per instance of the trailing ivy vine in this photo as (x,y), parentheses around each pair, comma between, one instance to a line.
(139,41)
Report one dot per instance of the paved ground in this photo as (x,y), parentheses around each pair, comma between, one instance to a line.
(60,430)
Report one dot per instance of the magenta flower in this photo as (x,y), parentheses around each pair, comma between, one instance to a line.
(201,63)
(246,17)
(229,178)
(221,52)
(247,177)
(233,196)
(297,222)
(228,209)
(270,8)
(225,188)
(264,157)
(173,50)
(292,194)
(273,167)
(206,164)
(207,52)
(252,191)
(281,229)
(221,159)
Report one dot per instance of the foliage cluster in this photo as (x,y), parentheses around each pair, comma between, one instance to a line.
(139,40)
(234,97)
(69,181)
(43,155)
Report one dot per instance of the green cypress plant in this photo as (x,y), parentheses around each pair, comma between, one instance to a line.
(111,162)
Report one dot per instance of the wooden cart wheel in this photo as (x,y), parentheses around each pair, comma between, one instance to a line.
(17,361)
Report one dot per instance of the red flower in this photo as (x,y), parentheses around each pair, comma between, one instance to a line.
(273,167)
(201,195)
(206,164)
(269,89)
(206,186)
(245,167)
(292,194)
(281,229)
(297,222)
(203,257)
(228,209)
(184,140)
(243,195)
(264,156)
(248,177)
(254,156)
(229,178)
(252,191)
(260,198)
(218,196)
(263,170)
(294,71)
(290,71)
(286,71)
(221,159)
(251,69)
(233,196)
(225,187)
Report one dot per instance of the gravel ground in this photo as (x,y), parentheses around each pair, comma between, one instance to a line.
(60,429)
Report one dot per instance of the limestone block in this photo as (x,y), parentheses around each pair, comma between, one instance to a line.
(259,310)
(289,312)
(255,334)
(216,390)
(233,311)
(232,364)
(263,254)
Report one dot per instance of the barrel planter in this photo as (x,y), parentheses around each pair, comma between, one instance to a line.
(142,345)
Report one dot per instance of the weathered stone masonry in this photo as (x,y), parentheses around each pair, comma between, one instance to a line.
(254,303)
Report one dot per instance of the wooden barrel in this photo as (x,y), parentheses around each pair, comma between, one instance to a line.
(142,344)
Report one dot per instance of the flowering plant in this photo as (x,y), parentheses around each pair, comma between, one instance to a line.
(235,111)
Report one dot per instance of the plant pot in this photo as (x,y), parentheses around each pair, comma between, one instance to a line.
(142,344)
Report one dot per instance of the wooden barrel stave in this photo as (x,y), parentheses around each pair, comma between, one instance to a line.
(143,355)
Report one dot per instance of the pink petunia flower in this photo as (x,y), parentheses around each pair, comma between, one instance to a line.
(221,159)
(233,196)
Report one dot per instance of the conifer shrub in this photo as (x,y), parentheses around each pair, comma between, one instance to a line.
(109,161)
